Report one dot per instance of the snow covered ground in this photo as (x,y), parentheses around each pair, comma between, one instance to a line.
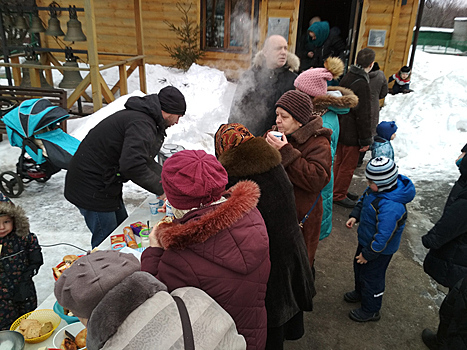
(432,129)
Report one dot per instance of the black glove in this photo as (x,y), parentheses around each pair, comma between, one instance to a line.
(24,290)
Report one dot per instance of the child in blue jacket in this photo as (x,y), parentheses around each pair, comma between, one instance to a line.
(385,133)
(381,213)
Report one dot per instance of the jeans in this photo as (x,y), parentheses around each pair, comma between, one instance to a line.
(370,280)
(102,224)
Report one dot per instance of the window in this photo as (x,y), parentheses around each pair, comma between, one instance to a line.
(226,24)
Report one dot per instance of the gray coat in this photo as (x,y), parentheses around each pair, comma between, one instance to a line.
(140,314)
(378,90)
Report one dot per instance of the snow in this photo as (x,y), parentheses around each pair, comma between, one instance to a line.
(432,129)
(435,29)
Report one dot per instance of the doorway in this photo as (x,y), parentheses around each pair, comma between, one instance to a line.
(342,14)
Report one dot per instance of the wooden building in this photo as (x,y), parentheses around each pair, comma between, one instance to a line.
(234,30)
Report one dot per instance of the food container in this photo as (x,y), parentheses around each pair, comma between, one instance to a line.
(73,329)
(15,339)
(60,265)
(43,316)
(59,311)
(117,242)
(166,151)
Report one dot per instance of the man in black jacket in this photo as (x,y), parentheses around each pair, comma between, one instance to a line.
(122,147)
(259,88)
(355,128)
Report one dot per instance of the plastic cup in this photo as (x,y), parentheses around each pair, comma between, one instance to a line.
(155,205)
(276,134)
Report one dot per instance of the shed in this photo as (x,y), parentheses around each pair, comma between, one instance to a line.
(234,30)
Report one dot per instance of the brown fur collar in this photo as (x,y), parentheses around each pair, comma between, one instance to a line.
(293,62)
(21,222)
(253,157)
(313,128)
(347,100)
(199,225)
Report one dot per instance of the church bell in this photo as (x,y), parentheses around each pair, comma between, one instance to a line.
(54,26)
(71,78)
(75,31)
(26,80)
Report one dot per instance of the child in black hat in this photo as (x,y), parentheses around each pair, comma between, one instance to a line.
(401,81)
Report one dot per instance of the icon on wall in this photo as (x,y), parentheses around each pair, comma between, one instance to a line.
(279,26)
(376,38)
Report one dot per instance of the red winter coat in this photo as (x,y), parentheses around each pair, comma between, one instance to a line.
(222,249)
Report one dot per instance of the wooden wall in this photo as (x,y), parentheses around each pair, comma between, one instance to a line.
(398,20)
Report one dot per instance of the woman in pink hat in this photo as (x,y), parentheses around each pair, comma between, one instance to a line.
(218,241)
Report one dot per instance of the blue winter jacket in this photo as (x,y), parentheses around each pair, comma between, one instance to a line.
(381,148)
(382,217)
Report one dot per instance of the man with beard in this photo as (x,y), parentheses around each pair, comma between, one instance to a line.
(259,88)
(121,147)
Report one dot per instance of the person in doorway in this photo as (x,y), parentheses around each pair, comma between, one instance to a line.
(217,242)
(120,148)
(401,81)
(305,147)
(290,287)
(20,260)
(446,262)
(328,103)
(272,74)
(322,42)
(125,308)
(355,128)
(382,214)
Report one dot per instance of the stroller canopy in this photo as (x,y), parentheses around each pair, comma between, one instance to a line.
(29,121)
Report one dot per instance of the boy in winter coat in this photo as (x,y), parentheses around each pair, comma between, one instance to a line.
(381,147)
(20,259)
(382,214)
(401,81)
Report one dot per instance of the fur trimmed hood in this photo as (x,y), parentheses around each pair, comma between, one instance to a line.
(347,100)
(292,63)
(199,225)
(253,157)
(21,221)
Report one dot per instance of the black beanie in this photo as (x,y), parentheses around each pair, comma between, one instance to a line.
(405,69)
(172,100)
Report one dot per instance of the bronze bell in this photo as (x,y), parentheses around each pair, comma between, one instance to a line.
(71,78)
(20,22)
(54,26)
(26,80)
(74,32)
(36,25)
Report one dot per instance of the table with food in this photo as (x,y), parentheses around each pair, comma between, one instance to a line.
(52,327)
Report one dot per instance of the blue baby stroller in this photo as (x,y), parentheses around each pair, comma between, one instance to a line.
(33,127)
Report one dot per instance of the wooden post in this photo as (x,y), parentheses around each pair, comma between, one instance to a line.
(16,71)
(35,77)
(293,37)
(392,35)
(140,46)
(123,80)
(48,72)
(92,54)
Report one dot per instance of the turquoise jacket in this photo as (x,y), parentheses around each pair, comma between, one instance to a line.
(331,106)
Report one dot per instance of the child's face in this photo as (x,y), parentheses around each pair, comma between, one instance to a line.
(404,75)
(393,136)
(6,225)
(373,186)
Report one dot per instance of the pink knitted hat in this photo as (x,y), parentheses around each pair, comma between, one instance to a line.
(193,178)
(313,82)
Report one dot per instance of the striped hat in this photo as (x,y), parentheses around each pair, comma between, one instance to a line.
(298,104)
(383,172)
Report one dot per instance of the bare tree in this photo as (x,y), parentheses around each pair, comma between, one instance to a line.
(441,13)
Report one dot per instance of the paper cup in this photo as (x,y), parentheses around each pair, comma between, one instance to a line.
(276,134)
(154,205)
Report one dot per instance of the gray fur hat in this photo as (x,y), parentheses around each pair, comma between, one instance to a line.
(20,220)
(83,285)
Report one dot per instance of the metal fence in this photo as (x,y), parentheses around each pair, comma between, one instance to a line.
(452,47)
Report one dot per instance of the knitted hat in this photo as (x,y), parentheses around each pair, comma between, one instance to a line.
(383,172)
(298,104)
(83,285)
(229,136)
(172,100)
(405,69)
(386,129)
(4,200)
(313,81)
(192,179)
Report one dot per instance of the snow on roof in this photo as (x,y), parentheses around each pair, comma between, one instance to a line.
(435,29)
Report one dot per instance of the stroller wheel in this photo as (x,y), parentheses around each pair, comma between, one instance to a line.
(11,184)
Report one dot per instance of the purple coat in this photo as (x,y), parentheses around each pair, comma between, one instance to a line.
(222,249)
